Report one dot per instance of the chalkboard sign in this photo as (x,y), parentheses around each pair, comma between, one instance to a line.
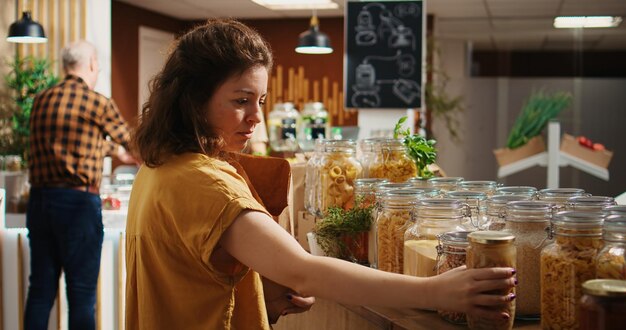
(383,54)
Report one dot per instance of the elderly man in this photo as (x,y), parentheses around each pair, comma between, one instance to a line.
(69,125)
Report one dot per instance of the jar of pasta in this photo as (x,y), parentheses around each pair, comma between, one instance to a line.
(611,262)
(394,216)
(311,189)
(487,187)
(390,161)
(451,253)
(566,264)
(445,184)
(589,203)
(517,190)
(338,171)
(313,125)
(495,209)
(528,221)
(602,305)
(615,210)
(433,217)
(282,124)
(492,249)
(559,196)
(477,203)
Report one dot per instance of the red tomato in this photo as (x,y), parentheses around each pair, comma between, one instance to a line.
(585,142)
(598,147)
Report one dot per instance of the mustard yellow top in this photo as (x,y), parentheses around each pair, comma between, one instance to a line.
(176,216)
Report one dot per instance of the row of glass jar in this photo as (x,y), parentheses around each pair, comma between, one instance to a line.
(290,130)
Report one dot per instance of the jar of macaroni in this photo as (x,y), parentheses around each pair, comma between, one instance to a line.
(313,125)
(311,189)
(282,124)
(394,217)
(487,187)
(390,161)
(517,190)
(477,204)
(445,184)
(566,264)
(611,260)
(559,196)
(338,171)
(602,305)
(529,222)
(495,209)
(492,249)
(589,203)
(451,253)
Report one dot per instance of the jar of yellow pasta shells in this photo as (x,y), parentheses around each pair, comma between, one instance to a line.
(445,184)
(487,187)
(611,260)
(338,170)
(589,203)
(495,209)
(566,264)
(395,214)
(390,161)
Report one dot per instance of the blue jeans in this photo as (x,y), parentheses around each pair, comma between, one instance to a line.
(65,233)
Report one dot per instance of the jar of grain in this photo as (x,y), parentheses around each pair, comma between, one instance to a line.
(566,264)
(445,184)
(487,187)
(492,249)
(517,190)
(602,305)
(559,196)
(338,170)
(433,217)
(495,208)
(451,253)
(529,222)
(477,204)
(589,203)
(390,161)
(394,216)
(611,260)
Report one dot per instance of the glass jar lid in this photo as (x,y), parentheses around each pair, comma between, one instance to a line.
(499,201)
(614,228)
(590,202)
(516,190)
(560,194)
(615,209)
(605,288)
(478,185)
(445,180)
(490,237)
(578,220)
(466,195)
(386,186)
(428,192)
(454,238)
(528,211)
(400,198)
(346,146)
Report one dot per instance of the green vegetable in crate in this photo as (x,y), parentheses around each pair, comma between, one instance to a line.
(539,109)
(419,149)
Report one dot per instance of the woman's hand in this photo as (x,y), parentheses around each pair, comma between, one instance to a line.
(300,304)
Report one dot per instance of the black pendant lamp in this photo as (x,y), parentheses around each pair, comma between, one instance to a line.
(313,41)
(25,30)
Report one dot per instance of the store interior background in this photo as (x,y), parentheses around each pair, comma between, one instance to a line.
(496,53)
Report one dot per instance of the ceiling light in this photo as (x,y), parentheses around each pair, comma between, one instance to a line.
(313,41)
(297,4)
(25,30)
(572,22)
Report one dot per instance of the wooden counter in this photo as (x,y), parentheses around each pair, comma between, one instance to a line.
(329,315)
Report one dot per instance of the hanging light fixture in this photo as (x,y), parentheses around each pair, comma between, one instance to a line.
(25,30)
(313,41)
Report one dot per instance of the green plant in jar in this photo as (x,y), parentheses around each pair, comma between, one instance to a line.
(419,149)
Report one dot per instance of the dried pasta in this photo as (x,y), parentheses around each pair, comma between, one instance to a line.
(337,174)
(611,264)
(390,228)
(394,166)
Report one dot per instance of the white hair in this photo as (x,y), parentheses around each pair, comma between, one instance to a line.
(77,54)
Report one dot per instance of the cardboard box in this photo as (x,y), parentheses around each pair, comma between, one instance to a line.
(570,146)
(506,156)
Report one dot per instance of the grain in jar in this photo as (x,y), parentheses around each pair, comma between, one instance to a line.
(611,260)
(390,161)
(517,190)
(559,196)
(477,204)
(492,249)
(495,207)
(451,253)
(338,171)
(433,217)
(487,187)
(393,218)
(529,222)
(566,264)
(589,203)
(603,305)
(445,184)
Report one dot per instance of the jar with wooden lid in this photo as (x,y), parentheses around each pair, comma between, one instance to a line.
(529,222)
(611,260)
(492,249)
(390,161)
(433,217)
(603,305)
(566,264)
(445,184)
(477,204)
(589,203)
(338,172)
(517,190)
(559,196)
(394,216)
(451,253)
(487,187)
(495,209)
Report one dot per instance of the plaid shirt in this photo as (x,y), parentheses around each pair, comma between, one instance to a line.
(68,128)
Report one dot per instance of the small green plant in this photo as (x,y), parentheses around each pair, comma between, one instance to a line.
(419,149)
(540,108)
(28,76)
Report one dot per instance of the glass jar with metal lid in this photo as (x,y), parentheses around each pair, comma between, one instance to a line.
(311,189)
(390,161)
(477,204)
(433,217)
(428,192)
(611,260)
(282,124)
(419,182)
(589,203)
(492,249)
(495,208)
(566,264)
(603,304)
(365,189)
(615,210)
(517,190)
(487,187)
(451,253)
(528,221)
(313,125)
(559,196)
(338,171)
(394,216)
(445,183)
